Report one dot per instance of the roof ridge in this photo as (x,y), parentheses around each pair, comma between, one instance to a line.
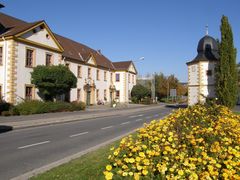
(14,18)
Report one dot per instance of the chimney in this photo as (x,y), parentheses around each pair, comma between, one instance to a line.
(99,51)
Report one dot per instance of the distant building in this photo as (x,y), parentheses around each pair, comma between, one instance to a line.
(25,45)
(201,71)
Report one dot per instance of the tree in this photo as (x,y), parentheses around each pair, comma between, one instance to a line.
(226,70)
(53,80)
(139,92)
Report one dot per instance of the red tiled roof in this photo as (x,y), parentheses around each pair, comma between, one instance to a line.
(11,26)
(122,65)
(78,51)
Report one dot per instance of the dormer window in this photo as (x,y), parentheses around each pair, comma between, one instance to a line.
(208,47)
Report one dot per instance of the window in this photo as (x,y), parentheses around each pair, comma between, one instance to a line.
(67,65)
(29,93)
(105,76)
(78,94)
(97,94)
(133,79)
(208,47)
(105,94)
(117,77)
(0,92)
(48,59)
(29,58)
(193,68)
(129,79)
(117,94)
(98,74)
(79,71)
(1,55)
(111,77)
(89,72)
(209,72)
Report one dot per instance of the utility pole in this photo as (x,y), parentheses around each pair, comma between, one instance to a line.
(153,87)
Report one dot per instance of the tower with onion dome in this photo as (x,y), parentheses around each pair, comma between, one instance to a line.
(201,71)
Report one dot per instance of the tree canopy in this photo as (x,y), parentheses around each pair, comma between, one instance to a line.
(53,80)
(139,92)
(226,71)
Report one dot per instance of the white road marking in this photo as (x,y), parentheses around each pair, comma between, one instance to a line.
(79,134)
(139,115)
(148,117)
(125,123)
(106,127)
(139,120)
(35,144)
(156,115)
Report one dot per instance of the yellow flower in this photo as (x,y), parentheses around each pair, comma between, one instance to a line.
(141,154)
(170,139)
(131,160)
(144,172)
(139,167)
(108,175)
(138,159)
(146,162)
(193,176)
(136,176)
(180,172)
(109,167)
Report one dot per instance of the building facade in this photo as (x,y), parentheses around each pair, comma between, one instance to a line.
(25,45)
(201,71)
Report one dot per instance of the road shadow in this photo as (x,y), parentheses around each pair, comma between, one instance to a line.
(177,106)
(4,128)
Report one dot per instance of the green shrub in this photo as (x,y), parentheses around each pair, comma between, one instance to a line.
(146,101)
(134,100)
(4,106)
(39,107)
(58,106)
(31,107)
(6,113)
(78,106)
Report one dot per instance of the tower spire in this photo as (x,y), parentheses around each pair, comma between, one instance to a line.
(206,29)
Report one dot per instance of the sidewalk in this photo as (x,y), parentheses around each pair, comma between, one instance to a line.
(17,122)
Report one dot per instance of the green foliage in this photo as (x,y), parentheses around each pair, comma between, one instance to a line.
(139,92)
(226,71)
(53,80)
(39,107)
(163,84)
(4,106)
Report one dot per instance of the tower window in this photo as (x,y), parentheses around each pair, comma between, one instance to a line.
(207,47)
(209,72)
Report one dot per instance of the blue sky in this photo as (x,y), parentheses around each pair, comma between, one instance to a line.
(166,32)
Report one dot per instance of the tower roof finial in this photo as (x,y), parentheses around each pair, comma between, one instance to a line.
(206,29)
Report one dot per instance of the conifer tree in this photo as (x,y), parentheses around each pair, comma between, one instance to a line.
(226,71)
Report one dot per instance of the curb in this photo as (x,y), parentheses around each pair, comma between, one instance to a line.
(27,123)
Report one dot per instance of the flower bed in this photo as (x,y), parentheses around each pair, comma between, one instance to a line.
(200,142)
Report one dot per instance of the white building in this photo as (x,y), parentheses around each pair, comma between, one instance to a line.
(25,45)
(201,71)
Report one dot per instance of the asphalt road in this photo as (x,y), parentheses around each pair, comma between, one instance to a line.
(26,149)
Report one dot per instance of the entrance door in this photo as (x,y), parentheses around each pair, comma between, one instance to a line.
(88,98)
